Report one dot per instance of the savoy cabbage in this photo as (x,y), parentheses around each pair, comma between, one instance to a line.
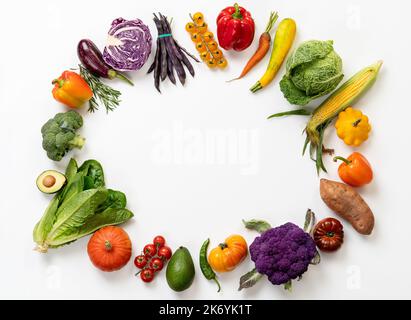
(313,70)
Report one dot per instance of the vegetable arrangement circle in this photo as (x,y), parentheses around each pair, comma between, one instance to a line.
(83,205)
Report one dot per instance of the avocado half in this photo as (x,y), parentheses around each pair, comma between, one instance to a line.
(51,181)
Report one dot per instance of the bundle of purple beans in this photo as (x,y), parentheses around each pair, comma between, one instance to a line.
(169,56)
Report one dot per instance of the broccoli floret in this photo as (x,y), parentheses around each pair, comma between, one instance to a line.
(283,253)
(59,134)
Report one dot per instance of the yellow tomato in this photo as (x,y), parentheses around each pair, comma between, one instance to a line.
(195,37)
(217,54)
(202,27)
(200,46)
(211,63)
(212,45)
(222,63)
(208,36)
(205,55)
(198,18)
(190,27)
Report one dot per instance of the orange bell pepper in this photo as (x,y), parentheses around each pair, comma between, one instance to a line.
(71,89)
(355,170)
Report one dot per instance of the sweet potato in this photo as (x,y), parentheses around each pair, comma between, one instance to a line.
(348,204)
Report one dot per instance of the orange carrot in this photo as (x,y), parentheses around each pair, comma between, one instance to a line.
(263,46)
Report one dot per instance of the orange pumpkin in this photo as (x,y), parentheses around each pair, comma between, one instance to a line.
(229,254)
(109,248)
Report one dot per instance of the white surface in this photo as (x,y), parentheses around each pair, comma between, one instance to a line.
(153,148)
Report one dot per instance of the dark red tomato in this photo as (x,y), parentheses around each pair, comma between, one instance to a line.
(156,264)
(140,261)
(159,241)
(165,252)
(328,234)
(147,275)
(150,250)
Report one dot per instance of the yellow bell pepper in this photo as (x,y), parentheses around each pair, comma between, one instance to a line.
(352,127)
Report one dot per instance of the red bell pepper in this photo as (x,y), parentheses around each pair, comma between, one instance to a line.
(235,28)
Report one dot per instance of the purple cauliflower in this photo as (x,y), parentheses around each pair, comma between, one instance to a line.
(283,253)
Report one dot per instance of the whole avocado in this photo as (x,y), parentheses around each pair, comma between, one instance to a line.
(180,270)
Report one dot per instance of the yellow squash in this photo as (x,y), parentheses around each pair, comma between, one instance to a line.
(284,38)
(352,127)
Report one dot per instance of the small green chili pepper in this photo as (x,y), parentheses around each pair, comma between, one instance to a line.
(205,267)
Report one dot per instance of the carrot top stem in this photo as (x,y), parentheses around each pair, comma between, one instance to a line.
(271,21)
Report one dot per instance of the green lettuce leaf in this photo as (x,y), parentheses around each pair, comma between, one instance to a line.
(43,227)
(71,169)
(93,170)
(109,217)
(73,215)
(115,199)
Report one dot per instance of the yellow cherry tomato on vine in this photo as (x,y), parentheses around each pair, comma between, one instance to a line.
(200,46)
(217,54)
(205,55)
(208,36)
(211,63)
(212,45)
(202,27)
(222,63)
(190,27)
(198,18)
(195,37)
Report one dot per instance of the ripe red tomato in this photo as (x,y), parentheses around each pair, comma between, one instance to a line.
(150,250)
(165,252)
(328,234)
(156,264)
(159,241)
(140,261)
(147,275)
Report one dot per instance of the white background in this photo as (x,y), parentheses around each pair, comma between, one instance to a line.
(178,193)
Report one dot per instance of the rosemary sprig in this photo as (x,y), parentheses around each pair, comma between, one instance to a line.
(108,96)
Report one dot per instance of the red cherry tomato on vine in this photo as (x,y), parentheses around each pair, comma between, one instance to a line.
(159,241)
(156,264)
(147,275)
(150,250)
(165,252)
(140,261)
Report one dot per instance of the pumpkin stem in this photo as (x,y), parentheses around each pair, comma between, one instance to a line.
(108,245)
(223,246)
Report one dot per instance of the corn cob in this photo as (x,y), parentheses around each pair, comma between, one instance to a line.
(342,98)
